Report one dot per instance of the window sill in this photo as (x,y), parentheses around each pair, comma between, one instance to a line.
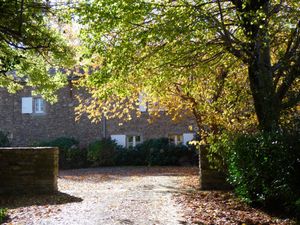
(39,114)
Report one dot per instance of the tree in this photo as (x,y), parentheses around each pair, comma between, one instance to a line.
(213,98)
(30,45)
(258,38)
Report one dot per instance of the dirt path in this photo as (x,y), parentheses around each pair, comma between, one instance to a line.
(109,196)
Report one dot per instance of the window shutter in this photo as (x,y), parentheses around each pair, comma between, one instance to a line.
(142,103)
(27,105)
(120,139)
(187,137)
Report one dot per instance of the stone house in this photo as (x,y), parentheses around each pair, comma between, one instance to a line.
(30,119)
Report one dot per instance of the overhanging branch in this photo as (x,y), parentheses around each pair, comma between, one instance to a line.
(292,101)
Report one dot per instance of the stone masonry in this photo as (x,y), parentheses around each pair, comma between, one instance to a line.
(28,170)
(59,121)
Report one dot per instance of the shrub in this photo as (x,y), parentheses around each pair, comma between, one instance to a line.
(4,141)
(102,152)
(3,215)
(157,152)
(265,167)
(131,157)
(76,158)
(70,156)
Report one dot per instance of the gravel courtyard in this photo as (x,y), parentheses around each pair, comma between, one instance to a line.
(134,195)
(107,196)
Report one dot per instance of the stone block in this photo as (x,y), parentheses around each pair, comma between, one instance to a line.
(27,170)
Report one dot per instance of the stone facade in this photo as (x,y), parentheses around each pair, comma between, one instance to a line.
(28,170)
(58,120)
(26,129)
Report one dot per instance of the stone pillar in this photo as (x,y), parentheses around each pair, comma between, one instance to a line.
(27,170)
(210,179)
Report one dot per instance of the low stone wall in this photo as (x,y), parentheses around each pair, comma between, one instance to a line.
(26,170)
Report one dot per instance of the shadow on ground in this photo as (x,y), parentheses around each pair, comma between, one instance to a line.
(224,207)
(12,202)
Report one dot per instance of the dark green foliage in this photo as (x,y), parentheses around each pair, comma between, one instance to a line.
(102,152)
(265,168)
(70,156)
(131,157)
(3,215)
(105,152)
(76,158)
(4,141)
(157,152)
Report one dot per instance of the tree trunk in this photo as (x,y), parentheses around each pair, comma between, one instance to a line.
(266,105)
(260,74)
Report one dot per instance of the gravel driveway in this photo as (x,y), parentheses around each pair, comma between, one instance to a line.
(107,196)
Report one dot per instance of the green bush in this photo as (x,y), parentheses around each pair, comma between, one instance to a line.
(102,152)
(70,155)
(131,157)
(76,158)
(157,152)
(3,215)
(4,141)
(265,167)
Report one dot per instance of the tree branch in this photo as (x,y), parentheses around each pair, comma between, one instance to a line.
(292,46)
(227,37)
(4,75)
(293,74)
(292,101)
(221,81)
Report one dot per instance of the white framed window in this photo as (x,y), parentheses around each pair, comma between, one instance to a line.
(146,105)
(120,139)
(39,105)
(176,139)
(33,105)
(133,140)
(187,137)
(155,106)
(26,105)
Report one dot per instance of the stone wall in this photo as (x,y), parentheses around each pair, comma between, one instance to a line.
(28,170)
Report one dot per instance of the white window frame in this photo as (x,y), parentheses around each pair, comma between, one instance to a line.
(39,105)
(178,138)
(134,141)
